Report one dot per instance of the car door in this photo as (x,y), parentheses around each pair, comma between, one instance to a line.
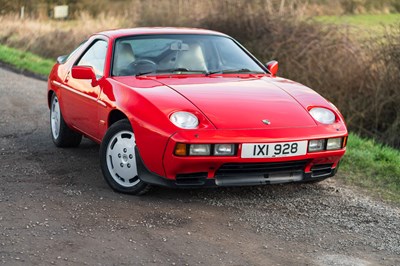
(80,97)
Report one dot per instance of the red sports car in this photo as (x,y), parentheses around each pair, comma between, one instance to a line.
(182,107)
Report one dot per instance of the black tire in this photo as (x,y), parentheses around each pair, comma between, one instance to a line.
(66,137)
(118,160)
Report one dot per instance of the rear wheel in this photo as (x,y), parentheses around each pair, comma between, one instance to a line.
(61,134)
(118,159)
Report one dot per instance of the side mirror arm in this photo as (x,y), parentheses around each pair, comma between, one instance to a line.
(94,82)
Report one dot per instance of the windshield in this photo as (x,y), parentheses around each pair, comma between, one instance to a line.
(179,54)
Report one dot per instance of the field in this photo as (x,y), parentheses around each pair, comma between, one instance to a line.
(365,26)
(364,21)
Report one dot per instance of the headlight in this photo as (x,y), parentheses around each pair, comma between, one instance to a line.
(224,149)
(334,144)
(199,149)
(316,145)
(184,120)
(323,115)
(325,144)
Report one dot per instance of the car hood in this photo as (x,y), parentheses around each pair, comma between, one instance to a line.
(237,103)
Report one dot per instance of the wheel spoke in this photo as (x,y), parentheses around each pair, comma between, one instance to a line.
(121,160)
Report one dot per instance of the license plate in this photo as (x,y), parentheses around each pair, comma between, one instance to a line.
(272,150)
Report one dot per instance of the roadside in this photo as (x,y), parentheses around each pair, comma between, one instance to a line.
(56,209)
(22,71)
(25,62)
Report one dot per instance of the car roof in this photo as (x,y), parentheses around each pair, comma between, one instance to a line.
(156,30)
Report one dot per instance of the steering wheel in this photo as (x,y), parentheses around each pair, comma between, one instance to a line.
(142,66)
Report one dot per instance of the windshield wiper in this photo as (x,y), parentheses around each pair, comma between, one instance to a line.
(144,73)
(172,70)
(185,70)
(234,71)
(180,69)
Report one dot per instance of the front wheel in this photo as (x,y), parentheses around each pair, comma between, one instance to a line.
(118,159)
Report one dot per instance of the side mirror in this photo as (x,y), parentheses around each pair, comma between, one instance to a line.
(84,72)
(272,67)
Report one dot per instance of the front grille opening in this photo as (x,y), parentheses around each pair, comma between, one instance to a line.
(241,169)
(191,179)
(321,170)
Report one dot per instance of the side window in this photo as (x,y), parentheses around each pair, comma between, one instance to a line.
(95,57)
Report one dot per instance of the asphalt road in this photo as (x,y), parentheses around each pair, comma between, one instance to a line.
(56,209)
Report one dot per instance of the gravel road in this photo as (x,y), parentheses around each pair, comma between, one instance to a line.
(56,209)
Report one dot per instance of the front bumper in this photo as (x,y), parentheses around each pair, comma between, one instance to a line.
(248,174)
(205,171)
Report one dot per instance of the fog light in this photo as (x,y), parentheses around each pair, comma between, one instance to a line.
(180,149)
(316,145)
(334,144)
(224,149)
(199,149)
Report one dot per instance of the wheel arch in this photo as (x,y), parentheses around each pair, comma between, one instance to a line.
(49,96)
(115,116)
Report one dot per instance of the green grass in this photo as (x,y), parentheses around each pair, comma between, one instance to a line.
(372,166)
(365,20)
(363,25)
(25,61)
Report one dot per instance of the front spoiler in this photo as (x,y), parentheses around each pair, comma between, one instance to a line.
(199,180)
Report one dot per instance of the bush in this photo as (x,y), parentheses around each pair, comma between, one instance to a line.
(48,38)
(363,6)
(352,6)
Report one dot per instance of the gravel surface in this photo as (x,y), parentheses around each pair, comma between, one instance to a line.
(56,209)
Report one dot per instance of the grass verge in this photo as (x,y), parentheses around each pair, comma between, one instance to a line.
(25,61)
(367,164)
(372,166)
(363,27)
(365,20)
